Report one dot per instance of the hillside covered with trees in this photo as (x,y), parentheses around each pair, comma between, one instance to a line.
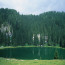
(45,29)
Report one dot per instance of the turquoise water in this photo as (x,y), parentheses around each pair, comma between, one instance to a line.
(29,53)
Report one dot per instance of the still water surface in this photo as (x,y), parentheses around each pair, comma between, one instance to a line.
(29,53)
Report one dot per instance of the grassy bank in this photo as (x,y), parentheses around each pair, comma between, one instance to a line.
(28,46)
(6,61)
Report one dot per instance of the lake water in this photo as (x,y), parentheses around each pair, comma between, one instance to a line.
(30,53)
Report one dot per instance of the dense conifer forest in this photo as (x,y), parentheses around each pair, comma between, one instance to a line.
(47,28)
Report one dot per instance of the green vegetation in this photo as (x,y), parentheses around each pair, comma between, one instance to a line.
(28,46)
(56,55)
(8,61)
(32,39)
(47,29)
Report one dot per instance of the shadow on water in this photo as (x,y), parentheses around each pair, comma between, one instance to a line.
(29,53)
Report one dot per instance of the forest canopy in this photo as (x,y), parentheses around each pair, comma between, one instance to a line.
(47,28)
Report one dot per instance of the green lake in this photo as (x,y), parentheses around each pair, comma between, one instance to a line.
(30,53)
